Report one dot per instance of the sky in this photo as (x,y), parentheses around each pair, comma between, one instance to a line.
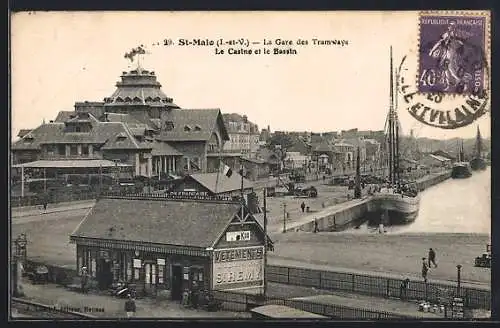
(60,58)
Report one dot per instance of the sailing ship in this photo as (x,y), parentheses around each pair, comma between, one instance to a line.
(461,169)
(399,202)
(478,163)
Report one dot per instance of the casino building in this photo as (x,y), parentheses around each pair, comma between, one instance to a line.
(164,244)
(137,128)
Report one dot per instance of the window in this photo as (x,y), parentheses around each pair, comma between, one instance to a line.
(161,274)
(73,150)
(78,129)
(197,128)
(85,150)
(61,150)
(169,125)
(51,149)
(187,128)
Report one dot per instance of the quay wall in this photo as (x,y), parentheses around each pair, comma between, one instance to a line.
(434,179)
(337,218)
(349,214)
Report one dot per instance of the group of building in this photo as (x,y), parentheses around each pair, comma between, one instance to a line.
(138,131)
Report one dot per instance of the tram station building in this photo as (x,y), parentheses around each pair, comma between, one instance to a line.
(164,244)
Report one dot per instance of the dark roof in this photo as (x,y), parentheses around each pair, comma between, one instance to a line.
(324,147)
(64,116)
(200,122)
(223,182)
(23,132)
(101,133)
(139,87)
(181,223)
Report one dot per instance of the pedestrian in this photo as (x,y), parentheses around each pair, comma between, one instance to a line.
(84,276)
(130,306)
(303,206)
(194,295)
(432,258)
(425,269)
(316,225)
(403,288)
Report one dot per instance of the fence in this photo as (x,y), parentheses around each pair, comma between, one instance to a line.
(238,302)
(377,286)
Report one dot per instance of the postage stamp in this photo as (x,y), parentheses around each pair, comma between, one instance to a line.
(452,54)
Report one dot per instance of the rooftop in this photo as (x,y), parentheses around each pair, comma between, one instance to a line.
(181,223)
(193,125)
(222,183)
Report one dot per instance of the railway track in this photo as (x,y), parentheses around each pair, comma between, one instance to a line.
(21,308)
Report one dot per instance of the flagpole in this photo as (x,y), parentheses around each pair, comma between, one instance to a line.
(241,173)
(218,171)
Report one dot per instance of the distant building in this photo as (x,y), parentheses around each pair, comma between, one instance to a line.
(265,135)
(215,184)
(243,135)
(295,160)
(431,160)
(444,154)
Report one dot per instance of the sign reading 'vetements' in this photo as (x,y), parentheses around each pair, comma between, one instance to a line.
(238,267)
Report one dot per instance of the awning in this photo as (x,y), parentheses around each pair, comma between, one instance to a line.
(80,163)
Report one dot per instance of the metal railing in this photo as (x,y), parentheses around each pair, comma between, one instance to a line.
(53,198)
(377,286)
(238,302)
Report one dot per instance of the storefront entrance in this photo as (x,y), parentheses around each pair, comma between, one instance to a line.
(176,286)
(104,274)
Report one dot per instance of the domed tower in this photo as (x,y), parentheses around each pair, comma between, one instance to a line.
(139,94)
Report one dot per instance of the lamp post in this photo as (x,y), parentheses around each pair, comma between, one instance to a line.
(284,217)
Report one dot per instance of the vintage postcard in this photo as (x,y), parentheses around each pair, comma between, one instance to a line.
(272,165)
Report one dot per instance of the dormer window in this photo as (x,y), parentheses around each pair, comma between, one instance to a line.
(197,128)
(187,128)
(28,139)
(169,125)
(121,137)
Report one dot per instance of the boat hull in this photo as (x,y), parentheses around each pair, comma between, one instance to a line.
(393,209)
(478,164)
(461,171)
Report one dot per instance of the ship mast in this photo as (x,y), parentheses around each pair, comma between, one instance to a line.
(478,143)
(391,123)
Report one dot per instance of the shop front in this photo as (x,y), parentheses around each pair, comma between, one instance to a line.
(166,245)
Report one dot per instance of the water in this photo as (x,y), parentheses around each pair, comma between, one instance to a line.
(453,206)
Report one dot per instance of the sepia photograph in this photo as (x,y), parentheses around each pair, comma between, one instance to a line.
(248,165)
